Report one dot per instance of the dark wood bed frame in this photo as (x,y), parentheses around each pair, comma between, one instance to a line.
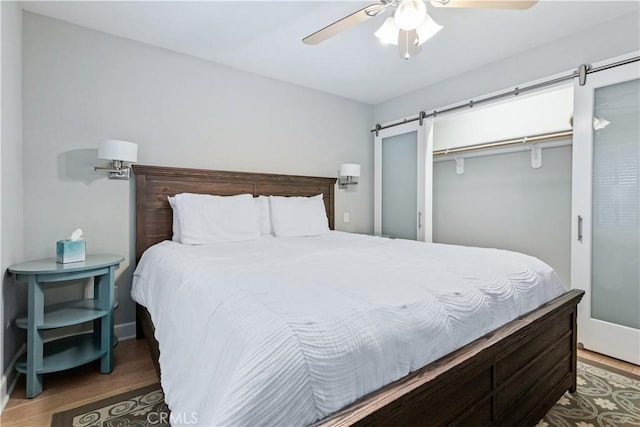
(509,377)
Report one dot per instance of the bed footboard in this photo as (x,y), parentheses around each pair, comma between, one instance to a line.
(510,377)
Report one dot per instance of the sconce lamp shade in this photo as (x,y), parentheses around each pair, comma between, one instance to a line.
(115,149)
(349,169)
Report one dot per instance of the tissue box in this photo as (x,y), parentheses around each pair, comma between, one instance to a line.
(70,251)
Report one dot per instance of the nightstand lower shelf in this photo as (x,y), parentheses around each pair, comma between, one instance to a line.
(66,314)
(65,353)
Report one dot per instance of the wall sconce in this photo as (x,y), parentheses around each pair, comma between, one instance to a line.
(121,154)
(348,171)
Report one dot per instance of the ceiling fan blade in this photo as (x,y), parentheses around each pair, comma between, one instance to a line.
(493,4)
(345,23)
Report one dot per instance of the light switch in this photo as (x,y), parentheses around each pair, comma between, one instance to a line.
(345,217)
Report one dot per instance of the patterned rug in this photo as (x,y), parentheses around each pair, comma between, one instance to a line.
(605,397)
(143,407)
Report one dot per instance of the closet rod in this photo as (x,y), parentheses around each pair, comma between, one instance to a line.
(518,90)
(506,142)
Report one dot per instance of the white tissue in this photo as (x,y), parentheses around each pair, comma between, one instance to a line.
(76,235)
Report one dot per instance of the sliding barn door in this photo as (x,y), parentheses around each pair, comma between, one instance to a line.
(606,211)
(403,181)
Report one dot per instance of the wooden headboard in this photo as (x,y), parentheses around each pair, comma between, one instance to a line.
(155,183)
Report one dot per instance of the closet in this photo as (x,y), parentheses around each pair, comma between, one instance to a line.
(492,197)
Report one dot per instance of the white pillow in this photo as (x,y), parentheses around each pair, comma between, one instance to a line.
(264,214)
(176,223)
(298,216)
(215,219)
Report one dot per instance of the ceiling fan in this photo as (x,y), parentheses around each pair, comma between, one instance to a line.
(410,25)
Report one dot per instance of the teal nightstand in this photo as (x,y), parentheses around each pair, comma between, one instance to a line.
(65,353)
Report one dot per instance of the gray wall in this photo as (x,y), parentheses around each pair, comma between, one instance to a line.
(502,202)
(82,85)
(12,248)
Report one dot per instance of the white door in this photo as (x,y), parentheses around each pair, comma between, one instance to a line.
(605,256)
(403,181)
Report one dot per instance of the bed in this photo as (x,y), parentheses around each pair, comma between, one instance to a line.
(511,375)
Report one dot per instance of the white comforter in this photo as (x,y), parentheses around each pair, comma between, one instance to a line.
(283,332)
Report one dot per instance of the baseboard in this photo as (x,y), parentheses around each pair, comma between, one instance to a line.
(4,393)
(123,331)
(9,379)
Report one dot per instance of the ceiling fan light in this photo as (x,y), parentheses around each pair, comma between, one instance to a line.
(388,32)
(428,29)
(410,14)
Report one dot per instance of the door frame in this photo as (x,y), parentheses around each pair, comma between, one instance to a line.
(424,159)
(594,334)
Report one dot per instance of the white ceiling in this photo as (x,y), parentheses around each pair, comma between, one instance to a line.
(264,37)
